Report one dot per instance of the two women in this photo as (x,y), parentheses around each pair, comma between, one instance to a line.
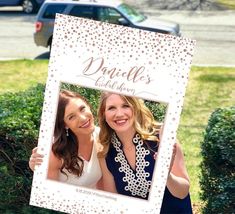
(130,138)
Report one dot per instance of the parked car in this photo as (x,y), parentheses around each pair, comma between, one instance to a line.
(29,6)
(115,12)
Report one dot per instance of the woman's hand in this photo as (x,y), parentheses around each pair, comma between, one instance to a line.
(35,159)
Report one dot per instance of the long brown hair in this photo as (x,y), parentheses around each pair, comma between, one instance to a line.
(144,122)
(66,147)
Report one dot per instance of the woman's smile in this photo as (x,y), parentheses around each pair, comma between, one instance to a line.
(121,122)
(86,124)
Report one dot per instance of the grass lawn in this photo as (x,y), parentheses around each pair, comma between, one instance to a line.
(230,4)
(17,75)
(208,88)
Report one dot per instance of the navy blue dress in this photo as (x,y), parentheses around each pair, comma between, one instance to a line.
(136,183)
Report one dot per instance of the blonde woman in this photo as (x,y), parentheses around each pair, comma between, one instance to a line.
(130,139)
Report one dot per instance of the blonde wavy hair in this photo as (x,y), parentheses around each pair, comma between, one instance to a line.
(144,122)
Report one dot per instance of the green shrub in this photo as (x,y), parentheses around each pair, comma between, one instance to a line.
(158,110)
(19,119)
(218,164)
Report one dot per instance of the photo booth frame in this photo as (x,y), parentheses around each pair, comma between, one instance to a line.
(122,60)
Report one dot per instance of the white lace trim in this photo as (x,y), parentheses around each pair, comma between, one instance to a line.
(137,185)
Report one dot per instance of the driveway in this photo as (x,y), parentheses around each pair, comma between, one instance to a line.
(213,31)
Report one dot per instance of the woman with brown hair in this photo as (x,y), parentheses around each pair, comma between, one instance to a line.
(73,157)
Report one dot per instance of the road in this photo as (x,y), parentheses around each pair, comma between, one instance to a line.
(214,33)
(16,36)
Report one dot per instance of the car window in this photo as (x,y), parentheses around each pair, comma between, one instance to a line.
(131,13)
(83,11)
(51,10)
(106,14)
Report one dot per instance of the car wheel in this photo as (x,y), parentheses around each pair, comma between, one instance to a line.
(29,6)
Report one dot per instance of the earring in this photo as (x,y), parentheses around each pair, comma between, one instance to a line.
(67,132)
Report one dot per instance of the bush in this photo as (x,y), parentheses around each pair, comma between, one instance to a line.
(218,164)
(19,119)
(158,110)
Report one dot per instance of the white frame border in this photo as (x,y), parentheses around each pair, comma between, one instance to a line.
(166,84)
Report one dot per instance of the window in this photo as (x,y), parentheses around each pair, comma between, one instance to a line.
(51,10)
(110,15)
(83,11)
(132,14)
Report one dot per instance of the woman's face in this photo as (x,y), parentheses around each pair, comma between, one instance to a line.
(119,114)
(78,117)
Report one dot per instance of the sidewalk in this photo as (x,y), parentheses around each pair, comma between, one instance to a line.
(225,18)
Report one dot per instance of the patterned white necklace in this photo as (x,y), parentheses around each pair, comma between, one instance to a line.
(137,184)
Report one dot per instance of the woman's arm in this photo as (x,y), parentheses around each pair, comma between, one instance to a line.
(107,178)
(54,167)
(99,184)
(178,179)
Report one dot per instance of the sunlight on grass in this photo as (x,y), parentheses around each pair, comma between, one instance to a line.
(228,3)
(208,88)
(17,75)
